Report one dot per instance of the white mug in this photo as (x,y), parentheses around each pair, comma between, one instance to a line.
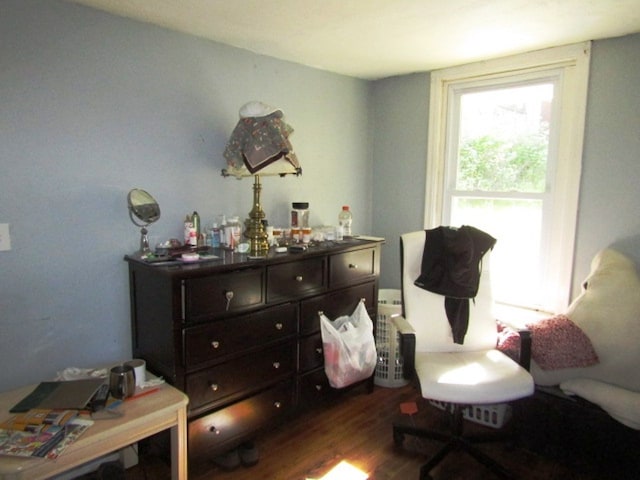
(139,367)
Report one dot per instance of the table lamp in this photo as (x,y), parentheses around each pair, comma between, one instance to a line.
(259,146)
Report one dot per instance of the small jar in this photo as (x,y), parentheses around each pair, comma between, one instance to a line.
(305,233)
(300,214)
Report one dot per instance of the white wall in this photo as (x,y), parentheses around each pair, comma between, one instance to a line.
(92,105)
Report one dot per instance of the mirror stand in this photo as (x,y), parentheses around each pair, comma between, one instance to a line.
(146,210)
(144,241)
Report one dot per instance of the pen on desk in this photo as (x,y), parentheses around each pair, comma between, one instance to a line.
(143,393)
(114,404)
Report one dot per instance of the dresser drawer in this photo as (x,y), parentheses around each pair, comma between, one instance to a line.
(314,387)
(218,431)
(295,279)
(334,305)
(216,340)
(349,267)
(311,352)
(222,293)
(245,374)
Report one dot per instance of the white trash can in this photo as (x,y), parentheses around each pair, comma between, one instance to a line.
(389,367)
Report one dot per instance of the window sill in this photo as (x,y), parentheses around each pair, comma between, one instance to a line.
(518,317)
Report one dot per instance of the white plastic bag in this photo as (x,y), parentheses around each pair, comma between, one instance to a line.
(349,347)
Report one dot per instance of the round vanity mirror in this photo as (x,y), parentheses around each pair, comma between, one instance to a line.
(143,211)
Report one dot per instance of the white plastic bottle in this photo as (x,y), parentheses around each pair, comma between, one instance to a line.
(345,218)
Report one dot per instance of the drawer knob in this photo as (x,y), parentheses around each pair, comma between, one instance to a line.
(279,326)
(353,265)
(229,296)
(277,404)
(318,387)
(213,429)
(298,278)
(215,344)
(214,386)
(276,365)
(319,350)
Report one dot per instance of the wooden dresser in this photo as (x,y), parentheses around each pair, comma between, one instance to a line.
(241,337)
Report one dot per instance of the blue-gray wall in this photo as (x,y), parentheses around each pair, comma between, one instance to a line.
(609,210)
(610,192)
(401,114)
(92,105)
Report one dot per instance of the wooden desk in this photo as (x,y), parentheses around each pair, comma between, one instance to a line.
(144,416)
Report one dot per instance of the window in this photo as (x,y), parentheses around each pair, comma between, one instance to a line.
(505,151)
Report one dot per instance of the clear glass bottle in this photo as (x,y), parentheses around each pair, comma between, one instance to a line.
(345,218)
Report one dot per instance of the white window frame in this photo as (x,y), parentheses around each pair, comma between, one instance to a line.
(572,61)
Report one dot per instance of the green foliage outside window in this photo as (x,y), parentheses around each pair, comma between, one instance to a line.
(487,163)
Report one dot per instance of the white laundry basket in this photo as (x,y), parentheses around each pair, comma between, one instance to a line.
(389,367)
(491,415)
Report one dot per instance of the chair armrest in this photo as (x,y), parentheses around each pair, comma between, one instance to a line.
(402,325)
(525,349)
(407,345)
(524,334)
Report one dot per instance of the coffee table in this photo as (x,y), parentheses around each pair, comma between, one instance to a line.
(142,417)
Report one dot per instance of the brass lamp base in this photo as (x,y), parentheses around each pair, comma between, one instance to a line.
(255,233)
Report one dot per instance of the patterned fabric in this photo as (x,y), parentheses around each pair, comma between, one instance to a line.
(258,141)
(557,342)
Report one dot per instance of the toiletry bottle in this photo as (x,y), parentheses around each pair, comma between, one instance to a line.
(215,236)
(188,225)
(195,218)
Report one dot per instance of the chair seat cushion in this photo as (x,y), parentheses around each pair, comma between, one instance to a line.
(478,377)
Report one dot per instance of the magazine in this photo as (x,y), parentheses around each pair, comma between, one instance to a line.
(41,432)
(30,444)
(74,429)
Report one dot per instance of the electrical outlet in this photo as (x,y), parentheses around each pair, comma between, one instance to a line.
(5,239)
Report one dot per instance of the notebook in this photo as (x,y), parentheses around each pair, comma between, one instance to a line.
(74,394)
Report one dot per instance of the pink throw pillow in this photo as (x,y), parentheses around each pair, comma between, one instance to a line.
(558,343)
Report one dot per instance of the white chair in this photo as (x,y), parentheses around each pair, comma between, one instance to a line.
(472,373)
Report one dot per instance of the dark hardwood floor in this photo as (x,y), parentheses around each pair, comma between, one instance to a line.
(357,428)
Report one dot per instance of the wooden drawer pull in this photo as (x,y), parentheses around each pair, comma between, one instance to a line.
(215,344)
(298,278)
(276,365)
(213,429)
(353,265)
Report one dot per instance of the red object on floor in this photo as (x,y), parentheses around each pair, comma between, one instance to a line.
(409,408)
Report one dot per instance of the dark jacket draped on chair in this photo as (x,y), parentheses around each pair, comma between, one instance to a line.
(451,266)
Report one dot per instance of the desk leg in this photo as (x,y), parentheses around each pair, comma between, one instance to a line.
(179,447)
